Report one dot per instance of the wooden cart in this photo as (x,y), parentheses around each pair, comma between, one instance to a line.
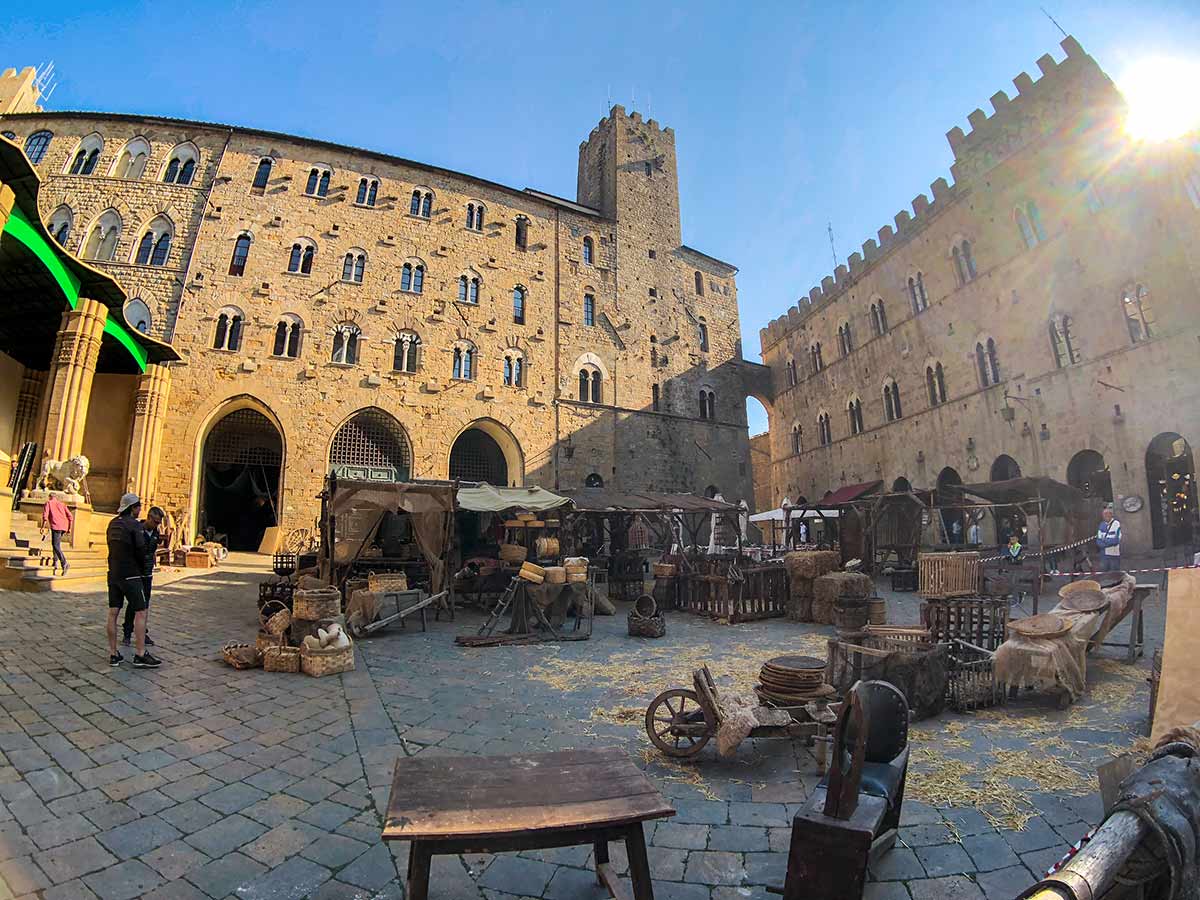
(680,722)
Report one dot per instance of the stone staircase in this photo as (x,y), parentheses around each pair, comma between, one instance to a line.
(28,567)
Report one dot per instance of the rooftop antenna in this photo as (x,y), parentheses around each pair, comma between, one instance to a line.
(1052,19)
(832,249)
(45,82)
(608,99)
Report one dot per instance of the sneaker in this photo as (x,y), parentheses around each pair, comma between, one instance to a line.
(125,640)
(146,661)
(149,641)
(115,660)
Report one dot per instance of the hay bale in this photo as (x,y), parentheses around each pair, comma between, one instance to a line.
(843,584)
(822,610)
(800,609)
(811,563)
(800,587)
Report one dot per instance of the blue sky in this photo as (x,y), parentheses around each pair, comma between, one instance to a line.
(788,116)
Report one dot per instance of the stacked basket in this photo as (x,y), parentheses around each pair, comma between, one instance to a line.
(645,620)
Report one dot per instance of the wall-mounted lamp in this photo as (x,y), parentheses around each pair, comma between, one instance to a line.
(1044,434)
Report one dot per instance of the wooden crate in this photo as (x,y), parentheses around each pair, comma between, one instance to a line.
(943,575)
(982,622)
(764,594)
(761,595)
(973,682)
(198,559)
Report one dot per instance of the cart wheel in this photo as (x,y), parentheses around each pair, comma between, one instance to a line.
(675,709)
(354,625)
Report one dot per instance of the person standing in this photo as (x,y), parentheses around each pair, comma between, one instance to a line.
(1108,539)
(974,534)
(56,516)
(152,535)
(126,580)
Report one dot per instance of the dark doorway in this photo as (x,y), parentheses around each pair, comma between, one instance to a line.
(949,497)
(1087,472)
(1004,468)
(239,487)
(1171,475)
(476,456)
(901,485)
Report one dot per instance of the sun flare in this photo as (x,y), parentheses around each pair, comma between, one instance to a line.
(1162,97)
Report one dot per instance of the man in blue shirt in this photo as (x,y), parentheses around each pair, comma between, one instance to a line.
(1108,539)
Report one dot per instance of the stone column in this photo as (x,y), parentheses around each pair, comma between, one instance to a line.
(29,402)
(69,385)
(145,448)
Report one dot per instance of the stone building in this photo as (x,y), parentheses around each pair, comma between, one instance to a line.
(1038,316)
(338,308)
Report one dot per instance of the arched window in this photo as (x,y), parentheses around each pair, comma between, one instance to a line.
(37,144)
(964,262)
(241,252)
(707,403)
(137,314)
(301,260)
(703,336)
(181,168)
(1138,314)
(354,265)
(518,296)
(468,289)
(824,430)
(464,361)
(475,213)
(818,363)
(514,368)
(414,207)
(412,277)
(228,334)
(699,284)
(593,481)
(797,436)
(854,412)
(59,225)
(318,182)
(87,155)
(131,162)
(589,309)
(655,396)
(368,190)
(101,243)
(346,339)
(916,292)
(422,203)
(590,384)
(1029,223)
(287,336)
(587,251)
(1062,341)
(522,233)
(935,383)
(406,355)
(878,318)
(792,378)
(262,174)
(845,339)
(891,401)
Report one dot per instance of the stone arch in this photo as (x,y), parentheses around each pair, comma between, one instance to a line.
(590,359)
(501,437)
(217,413)
(1171,483)
(1004,467)
(370,444)
(1088,472)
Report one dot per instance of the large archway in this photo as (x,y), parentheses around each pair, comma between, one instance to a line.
(949,497)
(371,446)
(486,451)
(1005,467)
(1088,472)
(1171,477)
(241,463)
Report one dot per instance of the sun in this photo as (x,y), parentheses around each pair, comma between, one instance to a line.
(1162,96)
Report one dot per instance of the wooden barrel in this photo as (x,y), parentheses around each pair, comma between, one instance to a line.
(877,611)
(850,614)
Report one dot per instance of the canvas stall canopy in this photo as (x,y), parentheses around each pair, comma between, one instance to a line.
(485,498)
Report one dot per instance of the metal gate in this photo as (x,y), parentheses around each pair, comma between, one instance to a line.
(244,437)
(477,457)
(372,446)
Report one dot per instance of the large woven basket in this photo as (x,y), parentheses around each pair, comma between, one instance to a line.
(241,656)
(387,581)
(645,620)
(281,659)
(319,604)
(318,663)
(278,623)
(265,640)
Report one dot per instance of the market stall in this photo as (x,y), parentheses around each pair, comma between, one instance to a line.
(790,527)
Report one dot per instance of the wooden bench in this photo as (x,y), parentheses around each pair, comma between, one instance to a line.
(502,804)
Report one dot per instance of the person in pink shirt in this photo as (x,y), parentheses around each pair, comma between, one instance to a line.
(57,517)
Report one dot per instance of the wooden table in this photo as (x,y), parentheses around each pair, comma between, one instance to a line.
(500,804)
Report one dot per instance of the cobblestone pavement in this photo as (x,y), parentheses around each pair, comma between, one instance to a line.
(197,781)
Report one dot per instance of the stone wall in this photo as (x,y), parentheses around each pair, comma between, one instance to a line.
(1113,215)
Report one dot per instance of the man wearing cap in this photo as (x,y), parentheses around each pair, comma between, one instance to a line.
(1108,539)
(126,580)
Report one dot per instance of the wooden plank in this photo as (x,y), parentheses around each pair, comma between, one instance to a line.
(457,766)
(608,877)
(484,821)
(434,797)
(525,778)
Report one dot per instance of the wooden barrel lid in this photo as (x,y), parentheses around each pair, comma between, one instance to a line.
(1044,625)
(795,663)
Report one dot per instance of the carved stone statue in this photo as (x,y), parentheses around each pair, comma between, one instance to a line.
(67,474)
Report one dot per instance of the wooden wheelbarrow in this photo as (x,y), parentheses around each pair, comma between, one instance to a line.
(406,603)
(680,722)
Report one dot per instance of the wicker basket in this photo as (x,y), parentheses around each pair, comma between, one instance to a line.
(945,575)
(387,581)
(265,640)
(319,604)
(281,659)
(241,656)
(513,553)
(546,547)
(302,628)
(277,623)
(647,626)
(663,570)
(318,663)
(556,575)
